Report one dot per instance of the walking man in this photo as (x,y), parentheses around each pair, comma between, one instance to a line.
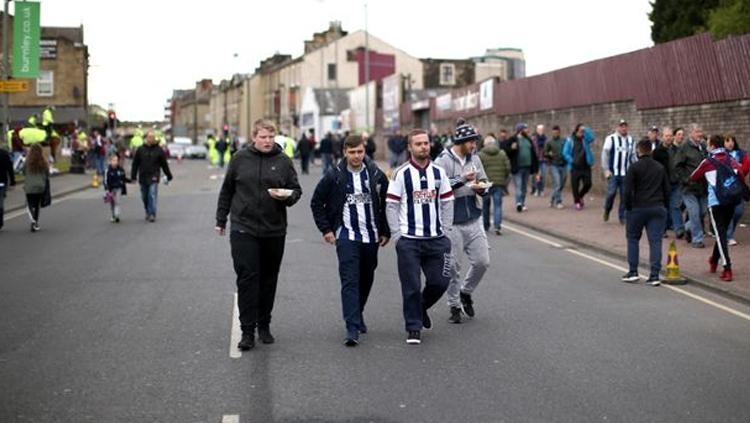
(580,158)
(540,140)
(646,200)
(497,166)
(694,192)
(349,210)
(466,176)
(260,184)
(618,153)
(524,162)
(147,165)
(420,212)
(558,169)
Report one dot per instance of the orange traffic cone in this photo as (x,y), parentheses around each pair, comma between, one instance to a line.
(673,276)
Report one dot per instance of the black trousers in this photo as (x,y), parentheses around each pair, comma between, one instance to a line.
(578,177)
(256,262)
(34,202)
(721,216)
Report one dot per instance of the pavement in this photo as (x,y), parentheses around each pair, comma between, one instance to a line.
(132,322)
(586,227)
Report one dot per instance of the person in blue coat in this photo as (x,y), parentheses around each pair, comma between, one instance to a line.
(580,159)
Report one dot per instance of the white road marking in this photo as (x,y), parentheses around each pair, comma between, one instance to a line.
(230,418)
(236,334)
(24,211)
(623,269)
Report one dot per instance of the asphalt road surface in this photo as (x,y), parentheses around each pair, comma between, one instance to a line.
(132,322)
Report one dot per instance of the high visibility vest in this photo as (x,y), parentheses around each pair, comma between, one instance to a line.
(47,117)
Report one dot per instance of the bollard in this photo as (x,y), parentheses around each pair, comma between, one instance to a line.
(95,181)
(673,276)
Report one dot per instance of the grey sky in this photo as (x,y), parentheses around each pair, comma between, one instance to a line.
(142,49)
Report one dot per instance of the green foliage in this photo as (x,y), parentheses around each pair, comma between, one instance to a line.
(731,18)
(672,19)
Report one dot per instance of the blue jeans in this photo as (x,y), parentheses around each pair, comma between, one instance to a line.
(520,182)
(99,164)
(327,162)
(653,220)
(431,257)
(559,175)
(538,186)
(149,193)
(357,263)
(495,196)
(697,207)
(739,210)
(614,184)
(674,220)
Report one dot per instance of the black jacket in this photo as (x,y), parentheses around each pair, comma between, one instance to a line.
(661,155)
(646,185)
(148,160)
(245,196)
(115,179)
(6,169)
(684,163)
(513,155)
(327,203)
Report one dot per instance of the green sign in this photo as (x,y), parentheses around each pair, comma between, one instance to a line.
(26,40)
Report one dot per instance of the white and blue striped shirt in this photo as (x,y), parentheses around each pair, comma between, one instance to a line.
(358,215)
(618,153)
(419,190)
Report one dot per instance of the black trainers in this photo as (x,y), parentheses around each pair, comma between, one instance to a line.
(631,277)
(414,337)
(352,340)
(426,321)
(468,304)
(264,334)
(247,342)
(519,207)
(363,328)
(606,216)
(653,281)
(455,315)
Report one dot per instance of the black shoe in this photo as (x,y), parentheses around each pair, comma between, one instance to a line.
(631,277)
(264,334)
(606,215)
(363,328)
(426,321)
(414,337)
(498,232)
(247,342)
(653,281)
(117,219)
(455,315)
(152,218)
(519,208)
(689,237)
(468,304)
(680,234)
(352,339)
(33,227)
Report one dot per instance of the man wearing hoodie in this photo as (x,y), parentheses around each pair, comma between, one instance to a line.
(557,166)
(466,175)
(524,162)
(497,166)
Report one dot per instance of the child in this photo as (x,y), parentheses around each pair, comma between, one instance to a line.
(114,185)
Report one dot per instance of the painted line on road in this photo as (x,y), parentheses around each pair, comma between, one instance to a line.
(24,211)
(230,418)
(236,333)
(623,269)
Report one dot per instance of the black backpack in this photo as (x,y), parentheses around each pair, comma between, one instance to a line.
(730,189)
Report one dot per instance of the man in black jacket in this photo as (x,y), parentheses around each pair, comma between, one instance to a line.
(646,201)
(149,160)
(259,185)
(7,176)
(524,162)
(349,210)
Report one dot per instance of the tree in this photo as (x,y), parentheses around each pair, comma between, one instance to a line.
(731,18)
(672,19)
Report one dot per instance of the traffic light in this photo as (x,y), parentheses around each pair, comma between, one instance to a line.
(112,117)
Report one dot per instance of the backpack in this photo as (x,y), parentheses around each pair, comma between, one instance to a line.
(730,189)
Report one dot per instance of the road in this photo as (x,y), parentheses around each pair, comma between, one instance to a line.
(132,322)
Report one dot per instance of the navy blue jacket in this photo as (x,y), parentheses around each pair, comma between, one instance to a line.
(327,202)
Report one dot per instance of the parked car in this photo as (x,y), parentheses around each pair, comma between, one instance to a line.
(196,152)
(176,150)
(182,141)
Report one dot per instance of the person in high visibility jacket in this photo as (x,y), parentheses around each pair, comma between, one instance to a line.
(136,141)
(213,153)
(32,135)
(290,146)
(48,120)
(32,121)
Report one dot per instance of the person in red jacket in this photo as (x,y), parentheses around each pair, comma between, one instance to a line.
(720,210)
(730,144)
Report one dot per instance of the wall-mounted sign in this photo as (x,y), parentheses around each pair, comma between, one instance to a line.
(48,49)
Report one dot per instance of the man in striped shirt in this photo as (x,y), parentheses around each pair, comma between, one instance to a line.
(420,211)
(349,209)
(618,153)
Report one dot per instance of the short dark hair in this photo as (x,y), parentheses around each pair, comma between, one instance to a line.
(353,141)
(644,147)
(503,131)
(556,128)
(716,141)
(414,133)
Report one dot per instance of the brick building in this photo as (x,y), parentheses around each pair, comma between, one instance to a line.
(62,80)
(189,111)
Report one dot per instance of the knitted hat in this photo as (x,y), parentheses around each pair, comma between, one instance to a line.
(520,126)
(464,132)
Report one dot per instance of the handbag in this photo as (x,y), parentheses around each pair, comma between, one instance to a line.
(47,195)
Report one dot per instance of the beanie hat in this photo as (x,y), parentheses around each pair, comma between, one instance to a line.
(520,126)
(464,132)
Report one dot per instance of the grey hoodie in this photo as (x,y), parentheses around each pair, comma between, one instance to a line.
(465,208)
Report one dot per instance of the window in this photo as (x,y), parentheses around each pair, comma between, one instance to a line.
(447,74)
(331,71)
(45,84)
